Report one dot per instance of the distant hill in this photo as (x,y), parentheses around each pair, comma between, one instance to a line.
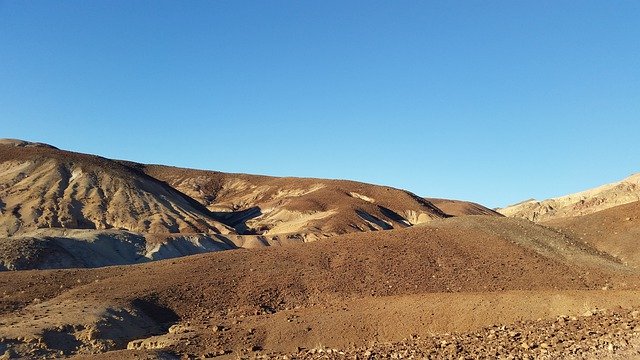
(43,187)
(582,203)
(461,208)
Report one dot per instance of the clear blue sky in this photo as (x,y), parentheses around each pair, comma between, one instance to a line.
(491,101)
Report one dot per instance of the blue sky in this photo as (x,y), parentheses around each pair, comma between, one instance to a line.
(491,101)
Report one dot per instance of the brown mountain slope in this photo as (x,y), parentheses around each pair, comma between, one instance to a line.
(461,208)
(43,187)
(304,207)
(615,231)
(281,297)
(582,203)
(61,209)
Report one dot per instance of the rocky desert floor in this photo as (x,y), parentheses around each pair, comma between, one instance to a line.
(482,289)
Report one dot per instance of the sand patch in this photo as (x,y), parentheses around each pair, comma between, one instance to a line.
(361,197)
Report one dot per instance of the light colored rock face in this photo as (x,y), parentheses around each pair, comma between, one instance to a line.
(76,248)
(582,203)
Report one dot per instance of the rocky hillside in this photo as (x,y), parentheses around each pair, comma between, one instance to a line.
(301,207)
(61,209)
(582,203)
(43,187)
(615,230)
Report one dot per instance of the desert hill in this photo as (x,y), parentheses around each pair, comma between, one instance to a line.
(61,209)
(305,207)
(43,187)
(615,230)
(605,217)
(581,203)
(461,208)
(342,290)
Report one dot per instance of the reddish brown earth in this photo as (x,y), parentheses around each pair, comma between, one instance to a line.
(60,209)
(309,208)
(603,334)
(458,274)
(615,230)
(446,279)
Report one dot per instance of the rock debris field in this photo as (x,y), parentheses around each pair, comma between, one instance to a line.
(598,334)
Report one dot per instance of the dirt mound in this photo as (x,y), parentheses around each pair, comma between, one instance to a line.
(461,208)
(55,328)
(615,231)
(582,203)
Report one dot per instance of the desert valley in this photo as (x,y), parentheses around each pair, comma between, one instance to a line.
(112,259)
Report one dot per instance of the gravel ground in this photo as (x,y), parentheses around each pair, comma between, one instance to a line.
(612,334)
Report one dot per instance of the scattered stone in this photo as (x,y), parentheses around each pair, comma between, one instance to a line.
(217,328)
(598,334)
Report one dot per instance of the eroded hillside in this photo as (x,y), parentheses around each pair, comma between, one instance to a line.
(43,187)
(62,209)
(310,207)
(615,230)
(581,203)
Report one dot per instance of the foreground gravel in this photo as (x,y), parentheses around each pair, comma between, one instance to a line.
(598,334)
